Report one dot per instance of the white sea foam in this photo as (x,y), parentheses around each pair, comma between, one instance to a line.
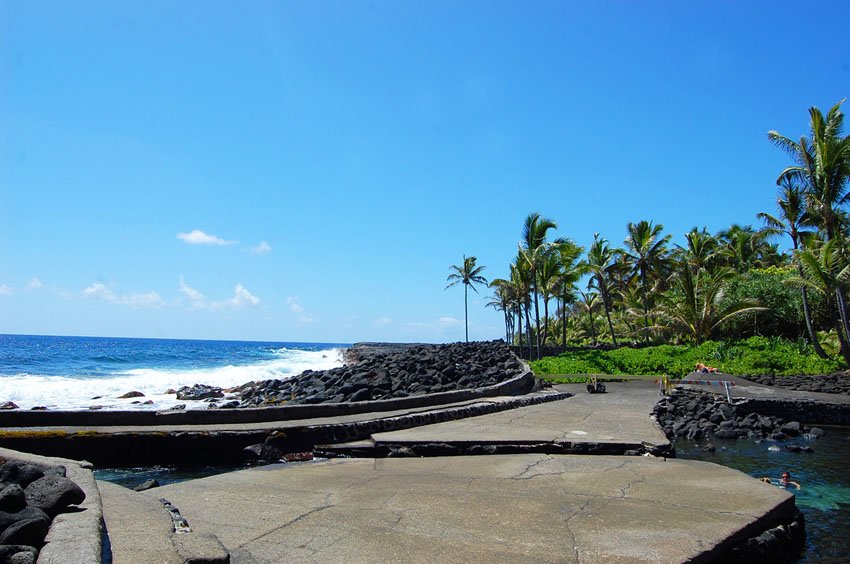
(58,392)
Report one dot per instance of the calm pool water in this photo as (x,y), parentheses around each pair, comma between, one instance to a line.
(824,475)
(132,477)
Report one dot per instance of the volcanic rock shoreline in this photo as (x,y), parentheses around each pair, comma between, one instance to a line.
(376,372)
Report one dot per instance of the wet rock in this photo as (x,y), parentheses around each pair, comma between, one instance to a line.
(8,405)
(38,408)
(199,392)
(133,394)
(792,428)
(817,431)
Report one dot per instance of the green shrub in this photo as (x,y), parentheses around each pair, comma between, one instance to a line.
(753,356)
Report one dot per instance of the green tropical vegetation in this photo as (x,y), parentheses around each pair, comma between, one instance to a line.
(733,297)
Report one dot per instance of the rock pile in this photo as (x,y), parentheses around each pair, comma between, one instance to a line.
(696,415)
(838,383)
(416,370)
(30,497)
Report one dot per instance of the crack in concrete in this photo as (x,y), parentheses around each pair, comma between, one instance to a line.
(288,523)
(533,465)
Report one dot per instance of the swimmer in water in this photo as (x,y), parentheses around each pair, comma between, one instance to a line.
(786,481)
(766,480)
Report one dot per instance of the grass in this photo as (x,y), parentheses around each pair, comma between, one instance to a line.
(753,356)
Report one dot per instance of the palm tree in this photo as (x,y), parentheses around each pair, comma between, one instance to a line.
(572,269)
(822,166)
(792,221)
(700,250)
(589,303)
(600,263)
(692,304)
(645,251)
(532,249)
(825,272)
(469,275)
(501,301)
(744,248)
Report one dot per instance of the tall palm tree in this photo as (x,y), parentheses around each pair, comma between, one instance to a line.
(792,221)
(600,262)
(822,166)
(469,275)
(589,303)
(501,300)
(572,269)
(645,249)
(825,272)
(521,281)
(532,248)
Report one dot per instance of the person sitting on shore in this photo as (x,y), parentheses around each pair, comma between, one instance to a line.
(700,367)
(786,481)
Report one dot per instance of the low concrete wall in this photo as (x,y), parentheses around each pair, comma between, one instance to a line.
(74,536)
(21,418)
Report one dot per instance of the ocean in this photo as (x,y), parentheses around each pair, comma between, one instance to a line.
(76,373)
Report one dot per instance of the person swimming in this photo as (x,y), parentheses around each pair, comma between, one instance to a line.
(786,481)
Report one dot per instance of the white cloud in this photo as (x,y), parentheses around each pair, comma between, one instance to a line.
(261,249)
(292,302)
(383,321)
(241,298)
(449,322)
(135,300)
(305,320)
(198,237)
(196,298)
(5,290)
(34,284)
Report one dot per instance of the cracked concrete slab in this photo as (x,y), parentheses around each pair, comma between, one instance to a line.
(531,507)
(620,416)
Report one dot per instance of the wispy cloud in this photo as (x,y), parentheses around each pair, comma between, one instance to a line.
(303,317)
(260,249)
(242,298)
(294,306)
(382,321)
(196,298)
(198,237)
(34,284)
(5,290)
(135,300)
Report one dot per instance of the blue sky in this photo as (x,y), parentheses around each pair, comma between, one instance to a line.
(307,171)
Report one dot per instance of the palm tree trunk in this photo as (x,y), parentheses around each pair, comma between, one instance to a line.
(465,312)
(592,326)
(842,314)
(519,326)
(536,317)
(807,314)
(564,321)
(545,320)
(645,306)
(528,329)
(608,316)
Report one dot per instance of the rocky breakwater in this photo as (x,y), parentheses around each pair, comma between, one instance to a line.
(376,373)
(696,415)
(838,383)
(31,496)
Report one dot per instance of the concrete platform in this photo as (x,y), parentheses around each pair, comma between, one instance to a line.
(487,508)
(619,417)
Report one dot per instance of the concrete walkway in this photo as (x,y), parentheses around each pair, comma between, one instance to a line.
(620,416)
(517,507)
(474,509)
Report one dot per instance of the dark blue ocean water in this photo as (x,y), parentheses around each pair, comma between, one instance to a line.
(68,372)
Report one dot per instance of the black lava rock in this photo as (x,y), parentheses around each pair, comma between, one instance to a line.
(52,494)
